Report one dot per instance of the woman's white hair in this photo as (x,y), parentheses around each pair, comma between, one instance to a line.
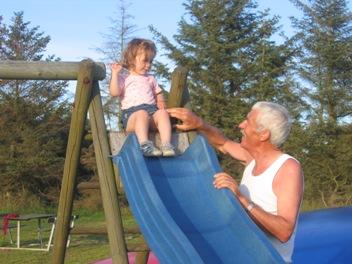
(276,119)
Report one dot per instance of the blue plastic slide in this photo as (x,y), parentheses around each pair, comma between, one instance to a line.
(324,237)
(182,216)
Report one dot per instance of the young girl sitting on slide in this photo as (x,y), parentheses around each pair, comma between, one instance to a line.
(141,98)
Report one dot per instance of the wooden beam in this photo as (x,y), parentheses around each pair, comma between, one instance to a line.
(101,230)
(88,186)
(107,182)
(179,140)
(46,70)
(73,150)
(137,247)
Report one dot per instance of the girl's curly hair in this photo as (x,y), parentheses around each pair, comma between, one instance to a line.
(130,53)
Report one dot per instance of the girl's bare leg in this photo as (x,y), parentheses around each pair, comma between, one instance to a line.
(162,122)
(139,123)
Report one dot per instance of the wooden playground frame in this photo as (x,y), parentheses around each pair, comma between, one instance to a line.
(87,100)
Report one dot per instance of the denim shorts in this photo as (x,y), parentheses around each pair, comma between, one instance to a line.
(126,113)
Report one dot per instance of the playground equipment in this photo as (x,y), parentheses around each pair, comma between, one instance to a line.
(87,99)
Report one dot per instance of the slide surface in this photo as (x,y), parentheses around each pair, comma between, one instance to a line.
(324,236)
(182,216)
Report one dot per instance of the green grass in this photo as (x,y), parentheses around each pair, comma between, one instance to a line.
(82,249)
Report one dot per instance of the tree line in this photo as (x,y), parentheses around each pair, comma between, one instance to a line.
(233,61)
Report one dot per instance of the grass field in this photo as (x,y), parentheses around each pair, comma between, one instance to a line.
(82,249)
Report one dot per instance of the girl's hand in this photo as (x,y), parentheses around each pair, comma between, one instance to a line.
(160,101)
(115,68)
(161,104)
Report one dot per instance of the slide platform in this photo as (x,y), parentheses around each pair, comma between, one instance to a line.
(182,216)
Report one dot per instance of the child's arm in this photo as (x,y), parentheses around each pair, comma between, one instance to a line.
(114,81)
(160,101)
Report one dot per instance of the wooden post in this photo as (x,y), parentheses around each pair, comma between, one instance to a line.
(79,114)
(142,257)
(177,96)
(106,179)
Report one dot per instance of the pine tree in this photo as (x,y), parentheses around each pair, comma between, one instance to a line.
(325,41)
(325,66)
(33,117)
(232,61)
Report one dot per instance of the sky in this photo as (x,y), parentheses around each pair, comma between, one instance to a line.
(76,27)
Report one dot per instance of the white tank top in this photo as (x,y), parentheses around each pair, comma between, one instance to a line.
(259,190)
